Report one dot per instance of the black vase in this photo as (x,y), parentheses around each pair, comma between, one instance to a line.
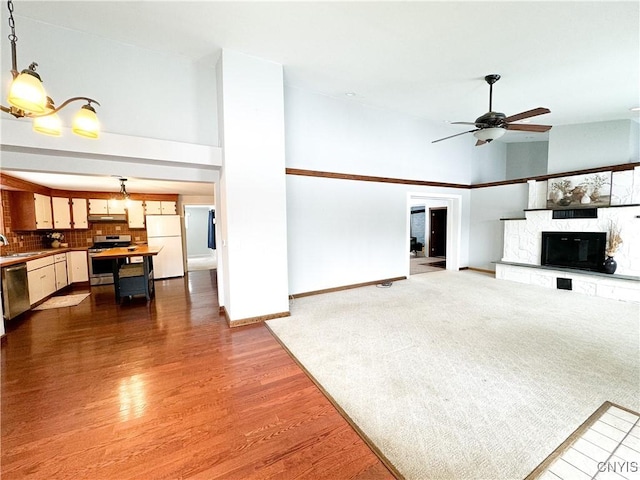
(609,265)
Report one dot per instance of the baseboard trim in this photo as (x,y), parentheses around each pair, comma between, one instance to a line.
(251,320)
(481,270)
(346,287)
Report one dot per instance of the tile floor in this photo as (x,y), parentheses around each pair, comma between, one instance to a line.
(609,449)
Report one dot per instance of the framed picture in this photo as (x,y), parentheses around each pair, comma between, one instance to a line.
(579,191)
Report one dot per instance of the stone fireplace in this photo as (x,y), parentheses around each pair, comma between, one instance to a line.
(522,252)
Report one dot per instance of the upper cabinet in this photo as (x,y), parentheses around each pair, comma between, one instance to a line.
(135,214)
(69,213)
(79,211)
(154,207)
(30,211)
(61,212)
(102,206)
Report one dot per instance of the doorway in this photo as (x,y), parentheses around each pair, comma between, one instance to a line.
(196,223)
(448,227)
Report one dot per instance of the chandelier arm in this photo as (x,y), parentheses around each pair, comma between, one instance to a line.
(12,111)
(64,104)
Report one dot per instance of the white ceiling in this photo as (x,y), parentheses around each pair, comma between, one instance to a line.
(426,59)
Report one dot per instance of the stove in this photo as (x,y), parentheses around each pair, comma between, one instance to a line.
(101,271)
(104,242)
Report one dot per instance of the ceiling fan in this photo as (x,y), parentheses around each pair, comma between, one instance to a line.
(493,125)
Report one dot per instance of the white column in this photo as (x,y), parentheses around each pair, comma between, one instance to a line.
(252,212)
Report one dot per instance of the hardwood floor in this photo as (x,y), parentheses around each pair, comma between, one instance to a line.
(164,390)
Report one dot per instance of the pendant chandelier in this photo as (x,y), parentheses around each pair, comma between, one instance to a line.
(123,195)
(28,99)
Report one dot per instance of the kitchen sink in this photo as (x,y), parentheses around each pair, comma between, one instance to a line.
(23,254)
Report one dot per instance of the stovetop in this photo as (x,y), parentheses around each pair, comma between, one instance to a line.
(101,242)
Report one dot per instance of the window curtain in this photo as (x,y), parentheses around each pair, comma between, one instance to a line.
(211,243)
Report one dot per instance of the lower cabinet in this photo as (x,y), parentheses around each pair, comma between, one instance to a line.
(77,267)
(60,267)
(41,275)
(49,274)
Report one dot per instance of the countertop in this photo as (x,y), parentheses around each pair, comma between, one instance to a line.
(124,252)
(14,259)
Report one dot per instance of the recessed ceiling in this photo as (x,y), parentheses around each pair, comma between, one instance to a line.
(112,184)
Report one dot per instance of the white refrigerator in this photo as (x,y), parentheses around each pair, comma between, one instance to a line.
(165,231)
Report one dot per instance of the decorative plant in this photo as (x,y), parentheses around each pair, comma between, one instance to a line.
(596,181)
(614,240)
(563,186)
(55,236)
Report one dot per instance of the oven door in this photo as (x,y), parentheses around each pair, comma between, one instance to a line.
(100,270)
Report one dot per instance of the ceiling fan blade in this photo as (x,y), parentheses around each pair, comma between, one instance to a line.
(528,114)
(480,142)
(462,123)
(456,135)
(527,127)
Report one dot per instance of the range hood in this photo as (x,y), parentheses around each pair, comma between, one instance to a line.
(115,217)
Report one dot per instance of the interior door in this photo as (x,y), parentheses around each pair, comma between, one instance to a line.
(438,232)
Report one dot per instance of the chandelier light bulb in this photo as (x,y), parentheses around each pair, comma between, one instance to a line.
(85,123)
(49,124)
(27,93)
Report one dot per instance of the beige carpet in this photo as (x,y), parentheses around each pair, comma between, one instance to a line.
(63,301)
(456,375)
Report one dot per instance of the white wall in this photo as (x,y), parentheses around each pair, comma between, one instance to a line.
(336,135)
(252,187)
(527,159)
(588,145)
(488,205)
(343,232)
(142,92)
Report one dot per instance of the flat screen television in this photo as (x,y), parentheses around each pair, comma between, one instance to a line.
(580,250)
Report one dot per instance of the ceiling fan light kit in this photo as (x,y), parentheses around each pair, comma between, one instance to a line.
(493,125)
(489,134)
(28,99)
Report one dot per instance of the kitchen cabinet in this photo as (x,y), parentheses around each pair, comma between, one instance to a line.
(69,213)
(61,213)
(79,211)
(41,276)
(102,206)
(30,211)
(155,207)
(77,266)
(60,267)
(135,214)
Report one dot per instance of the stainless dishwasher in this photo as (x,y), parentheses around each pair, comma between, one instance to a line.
(15,290)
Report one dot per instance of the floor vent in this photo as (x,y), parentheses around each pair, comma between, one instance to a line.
(564,284)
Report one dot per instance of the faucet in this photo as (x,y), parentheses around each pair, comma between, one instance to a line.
(4,240)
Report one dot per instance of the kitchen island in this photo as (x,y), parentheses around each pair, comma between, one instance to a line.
(132,270)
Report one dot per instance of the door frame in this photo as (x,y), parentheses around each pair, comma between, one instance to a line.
(454,226)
